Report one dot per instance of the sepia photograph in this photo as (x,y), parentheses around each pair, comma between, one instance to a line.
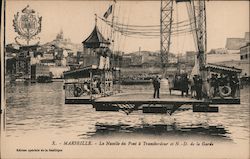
(129,79)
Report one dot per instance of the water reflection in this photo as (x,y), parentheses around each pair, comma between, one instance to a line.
(164,130)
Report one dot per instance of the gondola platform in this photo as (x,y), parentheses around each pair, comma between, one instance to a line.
(129,102)
(78,100)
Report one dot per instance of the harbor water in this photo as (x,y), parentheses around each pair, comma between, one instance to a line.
(36,108)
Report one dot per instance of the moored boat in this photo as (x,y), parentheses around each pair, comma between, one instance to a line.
(44,79)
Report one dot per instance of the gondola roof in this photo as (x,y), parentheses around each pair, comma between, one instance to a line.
(219,68)
(95,39)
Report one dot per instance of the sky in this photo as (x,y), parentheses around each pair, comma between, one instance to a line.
(76,19)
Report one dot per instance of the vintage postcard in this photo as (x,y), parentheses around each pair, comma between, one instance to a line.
(125,79)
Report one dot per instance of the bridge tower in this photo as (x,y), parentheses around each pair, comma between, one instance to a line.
(166,20)
(197,13)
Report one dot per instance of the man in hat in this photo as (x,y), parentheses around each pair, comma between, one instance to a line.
(157,85)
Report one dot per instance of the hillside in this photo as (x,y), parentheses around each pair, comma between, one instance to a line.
(61,42)
(144,53)
(148,53)
(64,44)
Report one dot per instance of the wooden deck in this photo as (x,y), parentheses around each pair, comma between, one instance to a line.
(146,98)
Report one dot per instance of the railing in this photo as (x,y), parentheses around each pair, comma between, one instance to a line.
(75,90)
(81,89)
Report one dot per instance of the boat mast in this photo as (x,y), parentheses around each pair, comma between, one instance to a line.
(112,34)
(112,37)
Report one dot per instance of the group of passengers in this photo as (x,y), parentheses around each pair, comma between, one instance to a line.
(88,87)
(230,81)
(184,84)
(181,82)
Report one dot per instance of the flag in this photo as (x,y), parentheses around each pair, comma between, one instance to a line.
(108,12)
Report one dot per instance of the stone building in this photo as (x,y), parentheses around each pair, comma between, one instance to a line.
(245,59)
(234,44)
(242,63)
(126,61)
(245,52)
(22,65)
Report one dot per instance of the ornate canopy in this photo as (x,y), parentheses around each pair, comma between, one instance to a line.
(95,40)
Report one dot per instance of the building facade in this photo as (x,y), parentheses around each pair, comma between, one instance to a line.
(245,52)
(23,65)
(245,59)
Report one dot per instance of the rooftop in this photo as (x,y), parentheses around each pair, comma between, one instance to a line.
(95,39)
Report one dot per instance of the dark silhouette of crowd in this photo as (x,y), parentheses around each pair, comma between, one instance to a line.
(220,85)
(230,82)
(179,82)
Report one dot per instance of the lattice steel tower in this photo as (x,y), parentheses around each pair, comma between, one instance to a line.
(198,14)
(166,21)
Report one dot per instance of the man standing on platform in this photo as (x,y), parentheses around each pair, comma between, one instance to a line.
(157,85)
(198,87)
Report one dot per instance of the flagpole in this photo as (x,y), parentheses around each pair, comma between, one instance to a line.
(95,19)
